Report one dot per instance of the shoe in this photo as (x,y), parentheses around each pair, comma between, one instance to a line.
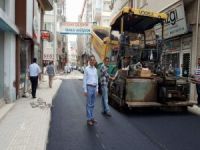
(103,112)
(94,121)
(108,114)
(34,97)
(90,123)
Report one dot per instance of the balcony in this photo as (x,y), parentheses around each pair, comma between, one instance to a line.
(47,5)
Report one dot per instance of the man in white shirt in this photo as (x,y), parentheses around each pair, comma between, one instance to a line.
(34,71)
(90,86)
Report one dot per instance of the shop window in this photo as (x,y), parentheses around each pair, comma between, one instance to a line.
(171,62)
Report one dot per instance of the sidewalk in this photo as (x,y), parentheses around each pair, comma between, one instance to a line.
(26,125)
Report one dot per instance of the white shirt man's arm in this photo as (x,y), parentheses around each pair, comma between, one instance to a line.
(84,81)
(97,87)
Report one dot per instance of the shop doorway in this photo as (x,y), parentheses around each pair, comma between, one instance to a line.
(186,60)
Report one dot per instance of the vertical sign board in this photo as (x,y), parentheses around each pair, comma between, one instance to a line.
(48,53)
(75,28)
(176,23)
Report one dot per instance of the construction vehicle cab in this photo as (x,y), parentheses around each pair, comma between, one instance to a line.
(143,79)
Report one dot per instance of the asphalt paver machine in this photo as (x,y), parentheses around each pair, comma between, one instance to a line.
(143,79)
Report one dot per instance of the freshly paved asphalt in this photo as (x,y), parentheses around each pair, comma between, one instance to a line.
(152,130)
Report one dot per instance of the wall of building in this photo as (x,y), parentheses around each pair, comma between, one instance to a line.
(1,64)
(9,67)
(9,55)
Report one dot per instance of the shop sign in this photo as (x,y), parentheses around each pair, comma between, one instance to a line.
(75,28)
(48,57)
(48,51)
(46,35)
(175,23)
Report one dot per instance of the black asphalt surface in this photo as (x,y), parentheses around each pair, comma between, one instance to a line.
(152,130)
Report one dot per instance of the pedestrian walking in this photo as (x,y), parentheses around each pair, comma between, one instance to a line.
(104,79)
(90,86)
(34,71)
(51,73)
(196,80)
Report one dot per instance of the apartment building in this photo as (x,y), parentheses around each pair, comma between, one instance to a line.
(29,20)
(95,12)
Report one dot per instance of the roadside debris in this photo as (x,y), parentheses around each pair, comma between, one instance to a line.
(40,103)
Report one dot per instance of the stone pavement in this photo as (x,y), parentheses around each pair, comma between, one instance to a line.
(24,125)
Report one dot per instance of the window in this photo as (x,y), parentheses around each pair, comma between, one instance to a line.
(171,61)
(106,6)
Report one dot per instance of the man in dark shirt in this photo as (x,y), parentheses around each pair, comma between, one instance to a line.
(104,78)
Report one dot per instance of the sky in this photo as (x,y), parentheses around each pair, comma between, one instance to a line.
(74,8)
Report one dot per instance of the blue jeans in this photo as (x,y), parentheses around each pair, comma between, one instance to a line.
(105,106)
(91,96)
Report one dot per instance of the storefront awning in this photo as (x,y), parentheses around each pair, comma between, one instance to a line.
(136,20)
(6,24)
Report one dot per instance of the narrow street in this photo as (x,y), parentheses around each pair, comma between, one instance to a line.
(148,130)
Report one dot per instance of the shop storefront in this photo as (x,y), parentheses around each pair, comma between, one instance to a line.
(178,55)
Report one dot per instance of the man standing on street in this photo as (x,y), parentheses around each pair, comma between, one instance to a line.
(197,81)
(51,73)
(104,78)
(90,86)
(34,72)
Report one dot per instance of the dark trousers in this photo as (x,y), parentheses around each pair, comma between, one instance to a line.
(198,93)
(34,83)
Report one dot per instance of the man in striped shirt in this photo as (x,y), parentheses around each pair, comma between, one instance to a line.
(197,80)
(104,78)
(51,73)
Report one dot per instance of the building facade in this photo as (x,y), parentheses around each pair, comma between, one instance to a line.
(62,46)
(96,12)
(55,49)
(8,32)
(29,20)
